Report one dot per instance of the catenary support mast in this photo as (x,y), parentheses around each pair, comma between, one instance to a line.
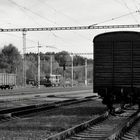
(24,58)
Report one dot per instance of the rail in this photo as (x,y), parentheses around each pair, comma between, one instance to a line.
(123,128)
(105,127)
(78,128)
(20,111)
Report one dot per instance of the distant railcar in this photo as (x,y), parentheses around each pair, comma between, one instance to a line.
(7,80)
(51,80)
(117,67)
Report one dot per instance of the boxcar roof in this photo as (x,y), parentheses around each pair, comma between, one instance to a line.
(118,36)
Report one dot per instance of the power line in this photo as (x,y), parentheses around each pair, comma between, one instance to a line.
(134,1)
(115,18)
(21,37)
(130,13)
(129,10)
(69,17)
(63,39)
(25,8)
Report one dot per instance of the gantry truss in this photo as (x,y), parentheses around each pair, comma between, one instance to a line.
(70,28)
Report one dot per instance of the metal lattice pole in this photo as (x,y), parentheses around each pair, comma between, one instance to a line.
(50,64)
(38,66)
(86,72)
(72,70)
(24,58)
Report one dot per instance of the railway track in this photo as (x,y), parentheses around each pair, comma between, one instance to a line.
(104,127)
(14,113)
(132,133)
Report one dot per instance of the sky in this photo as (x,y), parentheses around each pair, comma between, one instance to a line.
(57,13)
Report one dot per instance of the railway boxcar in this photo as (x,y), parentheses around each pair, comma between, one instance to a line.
(7,80)
(117,67)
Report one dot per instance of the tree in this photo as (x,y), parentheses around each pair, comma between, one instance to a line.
(78,60)
(3,63)
(11,62)
(10,59)
(31,67)
(63,58)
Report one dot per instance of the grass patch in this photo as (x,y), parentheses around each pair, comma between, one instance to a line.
(44,124)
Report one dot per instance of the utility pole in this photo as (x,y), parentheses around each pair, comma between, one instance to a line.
(38,66)
(72,70)
(39,46)
(50,64)
(24,58)
(86,72)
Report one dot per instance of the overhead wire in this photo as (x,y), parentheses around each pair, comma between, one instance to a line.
(130,13)
(61,13)
(108,20)
(125,4)
(21,37)
(26,9)
(134,1)
(63,40)
(55,11)
(69,17)
(35,13)
(23,10)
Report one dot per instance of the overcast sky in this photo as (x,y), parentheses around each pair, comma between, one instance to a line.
(54,13)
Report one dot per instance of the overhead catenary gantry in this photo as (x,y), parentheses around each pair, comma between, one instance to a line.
(92,27)
(70,28)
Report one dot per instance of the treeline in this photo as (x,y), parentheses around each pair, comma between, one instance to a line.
(11,62)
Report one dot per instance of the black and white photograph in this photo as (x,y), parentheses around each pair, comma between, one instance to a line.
(69,70)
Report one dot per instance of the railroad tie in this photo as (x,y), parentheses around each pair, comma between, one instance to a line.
(131,134)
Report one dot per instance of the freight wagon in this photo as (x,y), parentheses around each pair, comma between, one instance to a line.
(7,81)
(117,67)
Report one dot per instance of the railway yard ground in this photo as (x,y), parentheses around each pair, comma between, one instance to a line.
(46,123)
(43,124)
(29,96)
